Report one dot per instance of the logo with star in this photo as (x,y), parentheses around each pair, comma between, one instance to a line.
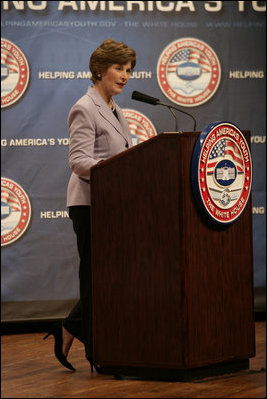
(140,126)
(15,73)
(188,72)
(221,171)
(15,211)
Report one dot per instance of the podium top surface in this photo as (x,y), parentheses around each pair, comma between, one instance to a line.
(160,137)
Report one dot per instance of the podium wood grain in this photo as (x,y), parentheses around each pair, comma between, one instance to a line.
(169,289)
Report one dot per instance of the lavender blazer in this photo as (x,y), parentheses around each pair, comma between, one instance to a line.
(95,134)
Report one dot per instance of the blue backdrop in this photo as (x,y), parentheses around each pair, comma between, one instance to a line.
(44,69)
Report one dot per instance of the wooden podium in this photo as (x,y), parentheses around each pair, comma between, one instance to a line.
(171,293)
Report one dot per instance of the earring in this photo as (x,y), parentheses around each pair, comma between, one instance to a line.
(99,75)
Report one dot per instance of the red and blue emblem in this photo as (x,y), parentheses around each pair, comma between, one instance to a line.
(188,72)
(15,73)
(140,126)
(221,171)
(15,211)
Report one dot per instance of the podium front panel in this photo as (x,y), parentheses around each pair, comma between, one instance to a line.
(169,290)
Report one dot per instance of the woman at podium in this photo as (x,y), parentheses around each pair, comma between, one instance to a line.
(98,130)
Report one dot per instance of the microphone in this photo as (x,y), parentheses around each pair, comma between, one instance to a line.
(136,95)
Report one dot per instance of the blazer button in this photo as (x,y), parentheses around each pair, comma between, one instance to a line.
(126,145)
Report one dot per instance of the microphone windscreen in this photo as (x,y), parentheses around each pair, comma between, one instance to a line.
(136,95)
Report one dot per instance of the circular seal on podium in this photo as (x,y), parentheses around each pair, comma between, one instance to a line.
(221,172)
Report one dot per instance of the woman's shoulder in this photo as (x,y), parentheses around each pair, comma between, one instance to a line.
(84,103)
(83,108)
(85,100)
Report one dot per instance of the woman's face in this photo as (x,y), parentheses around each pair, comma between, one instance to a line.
(115,78)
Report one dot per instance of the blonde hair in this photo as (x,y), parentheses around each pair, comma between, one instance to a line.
(108,53)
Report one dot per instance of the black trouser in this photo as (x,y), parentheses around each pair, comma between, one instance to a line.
(79,321)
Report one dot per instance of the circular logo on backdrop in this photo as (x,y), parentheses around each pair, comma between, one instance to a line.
(141,127)
(15,211)
(221,171)
(188,72)
(14,73)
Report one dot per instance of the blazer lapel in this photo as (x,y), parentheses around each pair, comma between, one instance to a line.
(106,113)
